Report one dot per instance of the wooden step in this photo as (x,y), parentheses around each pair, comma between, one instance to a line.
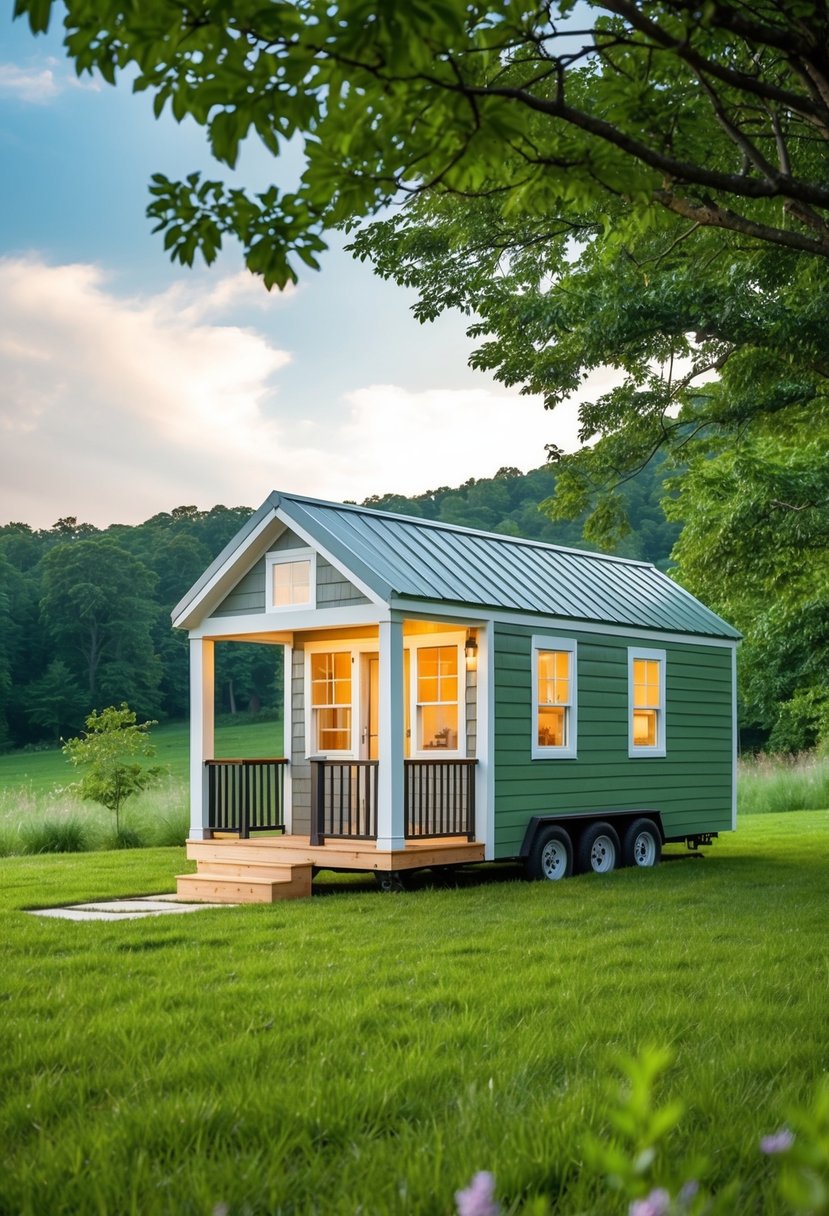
(218,887)
(277,870)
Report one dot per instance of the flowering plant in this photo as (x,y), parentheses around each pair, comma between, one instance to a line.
(652,1182)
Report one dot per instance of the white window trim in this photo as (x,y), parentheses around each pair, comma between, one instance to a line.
(570,749)
(281,558)
(414,643)
(637,652)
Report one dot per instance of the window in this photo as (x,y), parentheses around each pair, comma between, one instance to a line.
(554,698)
(646,680)
(437,698)
(290,579)
(331,701)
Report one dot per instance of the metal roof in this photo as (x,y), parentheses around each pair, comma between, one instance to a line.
(399,556)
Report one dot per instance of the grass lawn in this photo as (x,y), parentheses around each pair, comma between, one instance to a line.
(41,771)
(367,1053)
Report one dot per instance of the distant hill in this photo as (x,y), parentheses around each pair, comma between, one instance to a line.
(85,612)
(510,503)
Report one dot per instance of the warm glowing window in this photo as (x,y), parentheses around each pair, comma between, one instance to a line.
(331,701)
(437,698)
(647,702)
(554,697)
(290,580)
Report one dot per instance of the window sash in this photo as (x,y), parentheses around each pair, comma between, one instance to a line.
(331,698)
(646,682)
(290,580)
(437,705)
(554,674)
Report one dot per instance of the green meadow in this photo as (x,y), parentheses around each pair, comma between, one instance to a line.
(40,814)
(360,1052)
(44,770)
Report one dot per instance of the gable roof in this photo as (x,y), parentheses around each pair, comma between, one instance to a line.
(399,557)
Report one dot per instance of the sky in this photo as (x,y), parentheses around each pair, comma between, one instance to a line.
(129,385)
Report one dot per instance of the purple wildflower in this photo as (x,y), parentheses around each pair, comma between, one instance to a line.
(479,1197)
(779,1142)
(658,1203)
(688,1191)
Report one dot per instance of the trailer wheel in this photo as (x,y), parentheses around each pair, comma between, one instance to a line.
(551,855)
(599,851)
(641,845)
(390,881)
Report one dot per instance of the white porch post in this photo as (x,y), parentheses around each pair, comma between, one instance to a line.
(288,735)
(201,732)
(390,827)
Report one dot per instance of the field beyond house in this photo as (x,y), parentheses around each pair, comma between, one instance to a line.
(361,1052)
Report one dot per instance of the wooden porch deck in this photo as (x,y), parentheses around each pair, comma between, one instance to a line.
(266,869)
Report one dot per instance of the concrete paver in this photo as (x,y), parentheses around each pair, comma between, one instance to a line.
(123,909)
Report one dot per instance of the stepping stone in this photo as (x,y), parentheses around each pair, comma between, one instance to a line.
(123,909)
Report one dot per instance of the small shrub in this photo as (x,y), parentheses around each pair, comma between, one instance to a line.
(173,829)
(127,838)
(54,836)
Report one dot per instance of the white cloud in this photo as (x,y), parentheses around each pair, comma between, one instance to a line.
(41,81)
(113,408)
(410,442)
(36,85)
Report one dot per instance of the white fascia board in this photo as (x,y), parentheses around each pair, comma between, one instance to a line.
(346,571)
(225,578)
(306,619)
(534,621)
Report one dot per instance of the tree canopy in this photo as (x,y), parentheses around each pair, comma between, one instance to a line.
(641,185)
(715,113)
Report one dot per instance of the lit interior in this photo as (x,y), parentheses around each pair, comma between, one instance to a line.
(291,583)
(553,697)
(646,701)
(331,700)
(437,696)
(550,726)
(644,727)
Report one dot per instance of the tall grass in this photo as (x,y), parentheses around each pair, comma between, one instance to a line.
(767,784)
(41,817)
(59,822)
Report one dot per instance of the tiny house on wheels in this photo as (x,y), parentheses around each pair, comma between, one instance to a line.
(452,696)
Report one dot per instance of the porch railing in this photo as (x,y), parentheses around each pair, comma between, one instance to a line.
(246,796)
(343,799)
(439,799)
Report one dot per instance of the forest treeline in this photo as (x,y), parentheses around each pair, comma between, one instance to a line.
(85,612)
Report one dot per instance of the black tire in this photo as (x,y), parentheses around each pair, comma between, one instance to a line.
(551,855)
(389,881)
(599,851)
(641,844)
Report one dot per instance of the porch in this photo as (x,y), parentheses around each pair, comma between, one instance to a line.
(272,868)
(247,798)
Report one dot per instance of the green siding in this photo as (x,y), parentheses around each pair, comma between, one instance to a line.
(248,596)
(691,786)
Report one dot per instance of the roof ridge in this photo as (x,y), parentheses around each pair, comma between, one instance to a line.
(277,496)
